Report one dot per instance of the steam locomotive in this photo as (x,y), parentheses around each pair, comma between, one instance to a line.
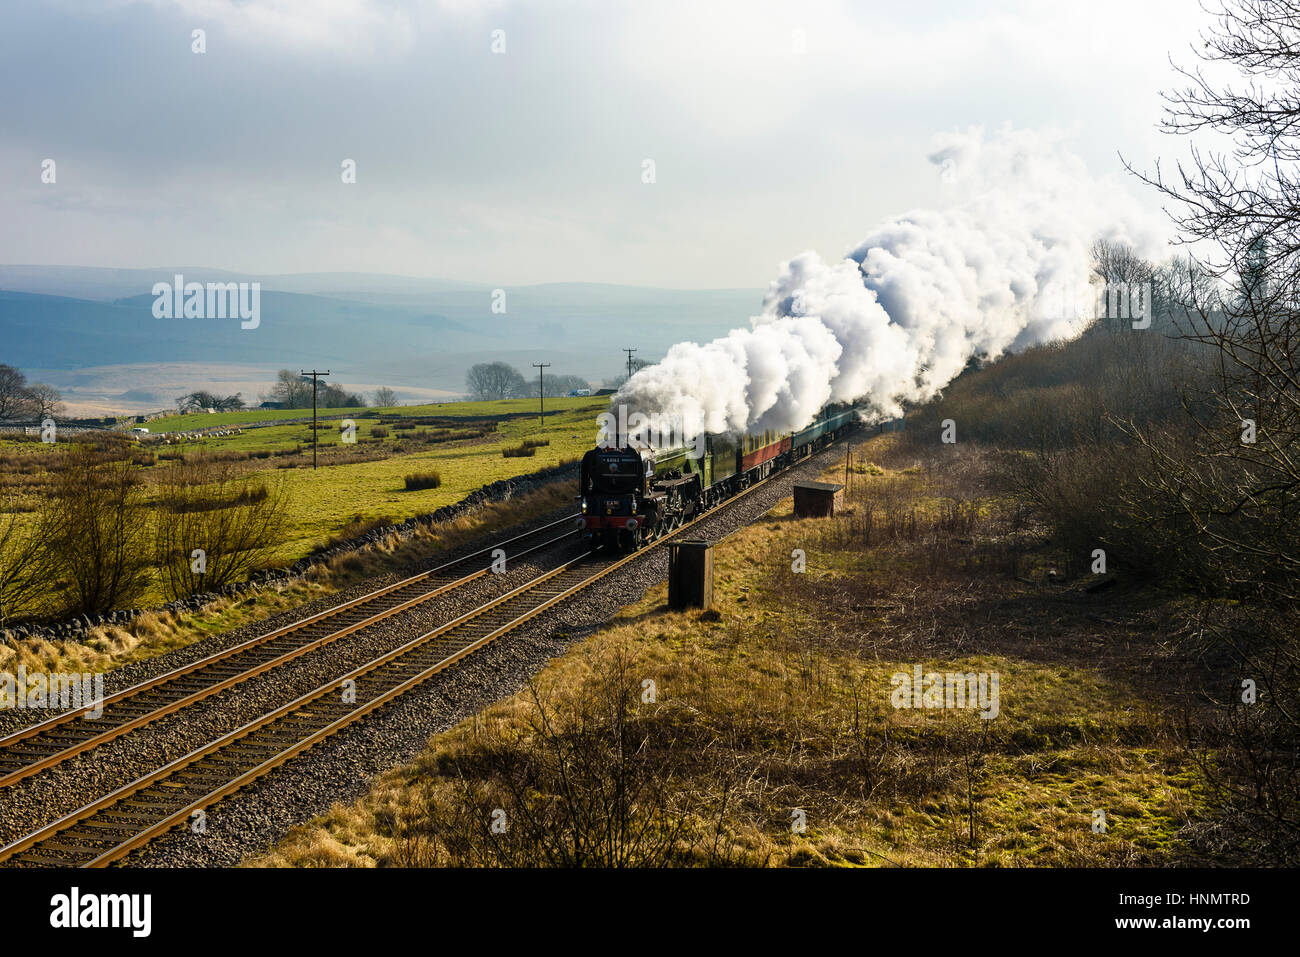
(636,494)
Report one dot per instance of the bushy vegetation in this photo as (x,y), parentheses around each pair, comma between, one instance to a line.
(96,539)
(422,480)
(1137,448)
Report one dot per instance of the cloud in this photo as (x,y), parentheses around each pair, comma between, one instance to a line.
(349,27)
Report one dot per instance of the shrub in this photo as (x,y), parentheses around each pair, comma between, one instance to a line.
(94,526)
(520,451)
(237,520)
(423,480)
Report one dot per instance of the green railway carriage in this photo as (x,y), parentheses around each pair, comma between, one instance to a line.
(829,424)
(721,453)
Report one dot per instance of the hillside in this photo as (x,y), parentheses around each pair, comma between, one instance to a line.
(92,333)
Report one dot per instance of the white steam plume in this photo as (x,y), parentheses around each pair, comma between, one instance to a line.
(901,314)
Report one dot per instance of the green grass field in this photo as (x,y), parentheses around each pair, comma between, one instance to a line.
(343,493)
(326,500)
(215,420)
(457,410)
(363,483)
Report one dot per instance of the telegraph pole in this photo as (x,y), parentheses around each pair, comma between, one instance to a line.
(314,376)
(541,393)
(629,361)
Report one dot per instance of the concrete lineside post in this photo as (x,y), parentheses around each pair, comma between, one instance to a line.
(690,574)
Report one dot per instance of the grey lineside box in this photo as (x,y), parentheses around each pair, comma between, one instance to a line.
(817,499)
(690,574)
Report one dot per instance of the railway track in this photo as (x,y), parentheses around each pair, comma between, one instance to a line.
(50,742)
(111,827)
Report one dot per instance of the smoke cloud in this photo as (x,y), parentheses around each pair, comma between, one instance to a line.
(900,316)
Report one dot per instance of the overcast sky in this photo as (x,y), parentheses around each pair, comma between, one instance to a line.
(527,166)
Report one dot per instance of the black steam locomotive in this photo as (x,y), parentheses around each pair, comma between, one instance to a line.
(635,494)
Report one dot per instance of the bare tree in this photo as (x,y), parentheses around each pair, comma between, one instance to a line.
(1234,489)
(15,402)
(385,398)
(590,783)
(291,390)
(201,400)
(561,385)
(637,365)
(337,397)
(1125,277)
(45,401)
(1116,262)
(214,525)
(495,380)
(95,525)
(1242,491)
(23,557)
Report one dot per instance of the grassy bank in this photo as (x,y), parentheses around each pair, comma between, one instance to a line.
(763,733)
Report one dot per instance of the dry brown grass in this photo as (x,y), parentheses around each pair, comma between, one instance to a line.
(778,702)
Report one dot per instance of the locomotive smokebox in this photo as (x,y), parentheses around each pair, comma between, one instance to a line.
(690,574)
(817,499)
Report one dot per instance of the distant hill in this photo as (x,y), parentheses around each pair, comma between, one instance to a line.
(54,332)
(66,324)
(97,282)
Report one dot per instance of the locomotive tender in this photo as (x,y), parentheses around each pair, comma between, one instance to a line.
(635,494)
